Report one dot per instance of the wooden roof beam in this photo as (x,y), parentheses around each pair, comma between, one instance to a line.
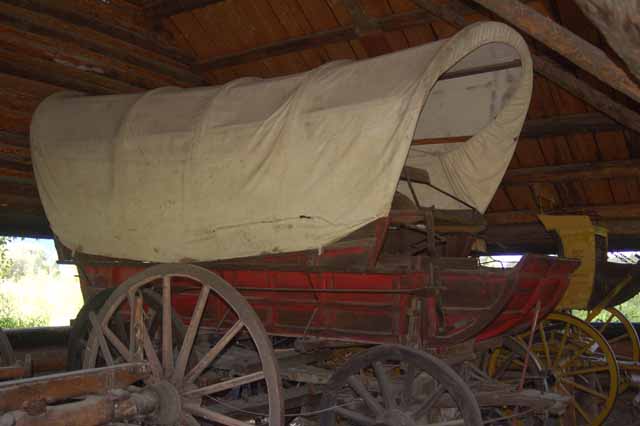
(31,24)
(549,69)
(168,8)
(606,211)
(31,68)
(573,172)
(140,39)
(558,38)
(552,126)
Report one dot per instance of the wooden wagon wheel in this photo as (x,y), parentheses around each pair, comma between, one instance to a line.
(506,364)
(180,378)
(81,327)
(391,385)
(629,336)
(579,363)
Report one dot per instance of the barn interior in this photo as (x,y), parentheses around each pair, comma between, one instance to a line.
(578,152)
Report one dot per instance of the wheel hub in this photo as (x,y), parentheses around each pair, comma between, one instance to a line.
(169,404)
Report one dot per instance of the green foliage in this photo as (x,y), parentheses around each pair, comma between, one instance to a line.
(10,319)
(5,261)
(12,269)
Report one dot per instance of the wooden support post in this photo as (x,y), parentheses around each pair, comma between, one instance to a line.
(556,37)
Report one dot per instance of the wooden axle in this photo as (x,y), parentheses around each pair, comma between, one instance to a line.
(16,394)
(92,411)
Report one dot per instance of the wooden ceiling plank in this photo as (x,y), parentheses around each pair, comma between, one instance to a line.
(579,51)
(15,154)
(31,24)
(31,68)
(268,29)
(168,8)
(295,24)
(227,29)
(135,38)
(314,40)
(14,139)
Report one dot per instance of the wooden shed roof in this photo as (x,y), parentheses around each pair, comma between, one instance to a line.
(580,148)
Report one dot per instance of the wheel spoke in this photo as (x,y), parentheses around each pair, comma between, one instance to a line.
(619,338)
(584,388)
(503,368)
(117,343)
(120,329)
(354,416)
(152,357)
(187,343)
(582,371)
(104,347)
(579,353)
(206,414)
(424,408)
(563,342)
(407,388)
(582,411)
(214,352)
(362,391)
(167,329)
(226,385)
(385,385)
(606,324)
(545,344)
(189,420)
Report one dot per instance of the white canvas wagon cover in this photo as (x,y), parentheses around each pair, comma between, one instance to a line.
(279,165)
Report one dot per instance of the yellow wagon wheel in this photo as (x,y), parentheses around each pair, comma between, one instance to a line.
(578,362)
(628,337)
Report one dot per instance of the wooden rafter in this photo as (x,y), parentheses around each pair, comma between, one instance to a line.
(573,172)
(549,69)
(558,38)
(553,126)
(48,72)
(167,8)
(606,211)
(145,41)
(43,27)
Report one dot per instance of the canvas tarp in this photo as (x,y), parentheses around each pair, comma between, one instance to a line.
(279,165)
